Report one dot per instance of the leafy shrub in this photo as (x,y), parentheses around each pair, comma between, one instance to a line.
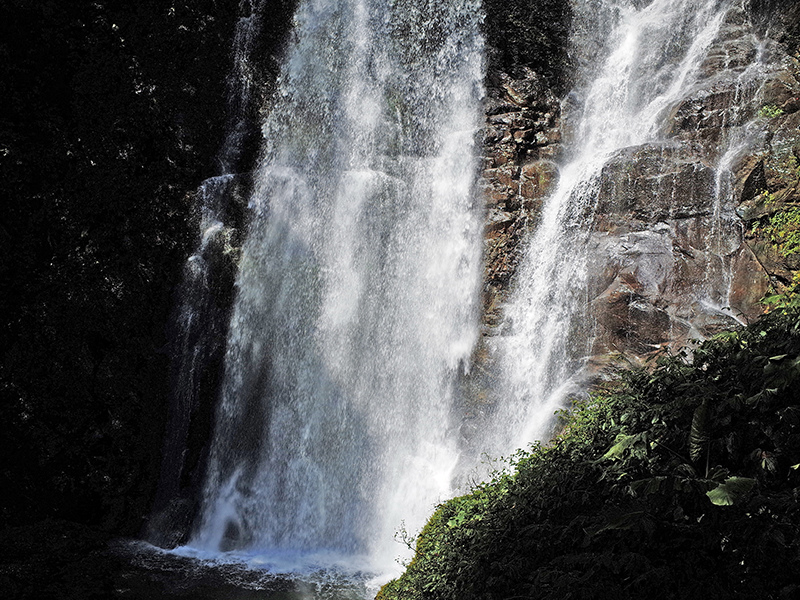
(677,480)
(770,111)
(783,230)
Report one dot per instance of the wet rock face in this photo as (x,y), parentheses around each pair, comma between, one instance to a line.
(656,285)
(655,183)
(709,112)
(668,261)
(675,251)
(522,141)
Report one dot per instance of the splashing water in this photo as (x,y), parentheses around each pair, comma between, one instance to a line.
(357,289)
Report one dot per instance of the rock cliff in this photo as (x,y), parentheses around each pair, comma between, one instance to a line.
(679,246)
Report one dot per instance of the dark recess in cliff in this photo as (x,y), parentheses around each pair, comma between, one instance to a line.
(529,34)
(111,115)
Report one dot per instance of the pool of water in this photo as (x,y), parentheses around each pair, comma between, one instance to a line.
(151,573)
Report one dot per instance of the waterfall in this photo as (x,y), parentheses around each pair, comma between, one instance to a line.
(357,294)
(654,56)
(356,303)
(199,318)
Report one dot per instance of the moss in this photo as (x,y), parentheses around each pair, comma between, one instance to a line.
(770,111)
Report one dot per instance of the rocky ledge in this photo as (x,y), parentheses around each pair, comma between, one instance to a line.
(522,142)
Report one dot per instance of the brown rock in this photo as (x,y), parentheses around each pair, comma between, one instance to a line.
(538,179)
(654,183)
(505,175)
(524,135)
(629,323)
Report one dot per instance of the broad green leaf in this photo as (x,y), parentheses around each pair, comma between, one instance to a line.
(621,443)
(726,494)
(624,442)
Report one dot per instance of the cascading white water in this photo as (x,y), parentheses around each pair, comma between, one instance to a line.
(357,290)
(727,228)
(198,320)
(654,57)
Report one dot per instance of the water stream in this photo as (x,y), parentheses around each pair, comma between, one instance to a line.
(358,289)
(199,320)
(356,296)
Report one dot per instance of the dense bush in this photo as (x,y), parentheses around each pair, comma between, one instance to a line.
(676,481)
(781,231)
(111,115)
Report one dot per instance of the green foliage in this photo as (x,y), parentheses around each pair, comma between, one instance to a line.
(770,111)
(789,298)
(783,230)
(730,491)
(766,198)
(675,480)
(698,436)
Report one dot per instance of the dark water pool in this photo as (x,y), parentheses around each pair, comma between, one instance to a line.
(60,560)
